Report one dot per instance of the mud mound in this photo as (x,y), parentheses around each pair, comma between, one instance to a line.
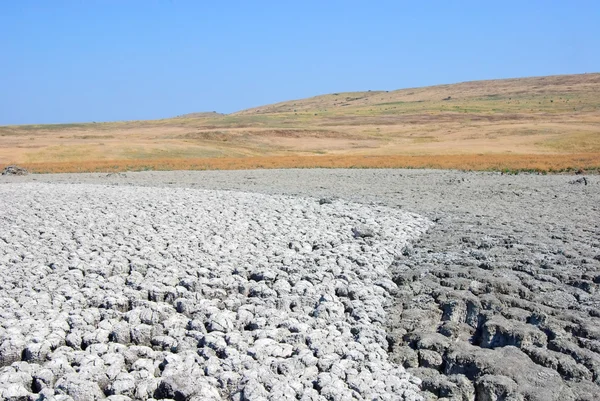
(14,170)
(188,294)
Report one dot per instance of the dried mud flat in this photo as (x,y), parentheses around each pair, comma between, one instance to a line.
(319,287)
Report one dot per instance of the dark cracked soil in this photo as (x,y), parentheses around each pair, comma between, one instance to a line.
(498,301)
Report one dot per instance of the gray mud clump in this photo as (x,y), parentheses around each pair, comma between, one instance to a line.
(125,292)
(14,170)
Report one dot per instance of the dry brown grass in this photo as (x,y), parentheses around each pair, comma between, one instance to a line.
(589,162)
(515,124)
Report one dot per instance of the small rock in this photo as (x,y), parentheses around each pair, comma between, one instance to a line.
(581,180)
(14,170)
(362,232)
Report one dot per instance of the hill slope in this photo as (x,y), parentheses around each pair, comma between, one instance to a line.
(518,90)
(541,119)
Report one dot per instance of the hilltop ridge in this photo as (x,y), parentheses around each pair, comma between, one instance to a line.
(518,87)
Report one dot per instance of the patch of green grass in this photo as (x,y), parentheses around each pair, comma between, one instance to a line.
(171,153)
(425,139)
(49,127)
(61,153)
(574,142)
(93,136)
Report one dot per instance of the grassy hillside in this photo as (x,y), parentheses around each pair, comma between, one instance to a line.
(540,123)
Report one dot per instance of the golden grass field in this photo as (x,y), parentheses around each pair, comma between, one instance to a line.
(543,124)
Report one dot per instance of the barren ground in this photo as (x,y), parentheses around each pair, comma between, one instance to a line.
(498,300)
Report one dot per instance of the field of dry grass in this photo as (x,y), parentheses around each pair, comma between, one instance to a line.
(494,162)
(517,124)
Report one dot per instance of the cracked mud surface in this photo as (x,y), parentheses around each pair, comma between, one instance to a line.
(133,292)
(498,301)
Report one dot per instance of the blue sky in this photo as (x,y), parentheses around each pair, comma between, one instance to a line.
(104,60)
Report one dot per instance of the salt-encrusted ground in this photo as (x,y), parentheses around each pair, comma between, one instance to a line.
(176,293)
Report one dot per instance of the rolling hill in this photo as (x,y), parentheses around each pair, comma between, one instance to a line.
(540,123)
